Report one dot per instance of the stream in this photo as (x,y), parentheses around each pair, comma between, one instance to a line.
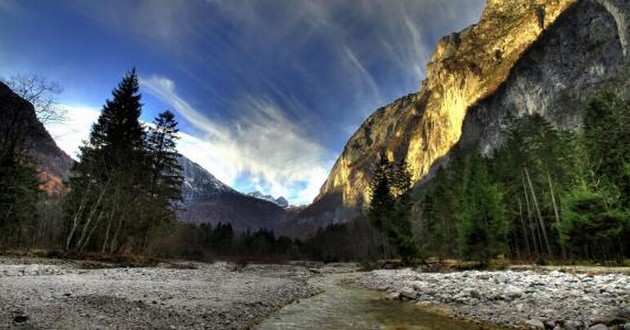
(341,306)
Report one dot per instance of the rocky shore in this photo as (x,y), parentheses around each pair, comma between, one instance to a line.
(52,294)
(541,299)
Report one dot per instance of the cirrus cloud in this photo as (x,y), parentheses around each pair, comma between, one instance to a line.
(261,143)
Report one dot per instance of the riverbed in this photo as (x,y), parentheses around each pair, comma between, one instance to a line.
(62,294)
(340,305)
(538,298)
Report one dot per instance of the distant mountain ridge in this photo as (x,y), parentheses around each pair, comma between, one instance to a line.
(208,200)
(280,201)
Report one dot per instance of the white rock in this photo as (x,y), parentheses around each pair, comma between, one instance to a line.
(513,292)
(408,293)
(535,324)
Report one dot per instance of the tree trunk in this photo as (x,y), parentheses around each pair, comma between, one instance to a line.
(555,211)
(532,228)
(75,218)
(93,211)
(520,216)
(538,213)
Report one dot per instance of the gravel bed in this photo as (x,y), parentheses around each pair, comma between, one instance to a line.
(516,299)
(57,295)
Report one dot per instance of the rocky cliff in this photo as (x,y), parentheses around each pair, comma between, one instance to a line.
(53,163)
(522,57)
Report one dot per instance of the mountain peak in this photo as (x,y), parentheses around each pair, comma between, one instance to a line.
(280,201)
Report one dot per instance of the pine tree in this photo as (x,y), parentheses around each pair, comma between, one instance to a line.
(110,183)
(606,135)
(166,179)
(439,220)
(382,202)
(166,172)
(481,219)
(390,207)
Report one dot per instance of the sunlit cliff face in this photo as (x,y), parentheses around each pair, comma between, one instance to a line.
(471,65)
(465,68)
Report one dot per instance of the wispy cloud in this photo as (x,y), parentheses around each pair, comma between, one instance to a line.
(261,143)
(363,73)
(273,88)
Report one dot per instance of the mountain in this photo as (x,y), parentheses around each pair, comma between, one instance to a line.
(54,164)
(280,201)
(520,58)
(208,200)
(199,184)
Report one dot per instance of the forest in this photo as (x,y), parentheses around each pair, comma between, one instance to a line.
(544,195)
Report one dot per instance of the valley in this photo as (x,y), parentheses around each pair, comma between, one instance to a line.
(494,195)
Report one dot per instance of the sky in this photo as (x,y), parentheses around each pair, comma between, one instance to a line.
(266,92)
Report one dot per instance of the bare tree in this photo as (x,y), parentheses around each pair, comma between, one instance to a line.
(42,93)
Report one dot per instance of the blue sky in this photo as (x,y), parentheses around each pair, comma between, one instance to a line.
(267,92)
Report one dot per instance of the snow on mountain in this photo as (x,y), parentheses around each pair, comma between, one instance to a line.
(199,183)
(208,200)
(280,201)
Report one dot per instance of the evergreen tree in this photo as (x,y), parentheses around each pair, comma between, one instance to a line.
(439,220)
(110,184)
(481,219)
(382,202)
(606,135)
(596,220)
(390,207)
(165,175)
(591,228)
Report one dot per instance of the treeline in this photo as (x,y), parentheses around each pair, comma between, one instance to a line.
(205,242)
(121,194)
(354,241)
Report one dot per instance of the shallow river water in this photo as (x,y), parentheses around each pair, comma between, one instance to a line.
(340,306)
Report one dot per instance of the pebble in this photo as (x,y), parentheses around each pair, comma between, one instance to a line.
(535,324)
(517,298)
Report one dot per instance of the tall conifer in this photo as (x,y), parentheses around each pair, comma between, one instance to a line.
(110,183)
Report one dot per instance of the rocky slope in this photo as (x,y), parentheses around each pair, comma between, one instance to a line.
(54,164)
(521,57)
(559,73)
(208,200)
